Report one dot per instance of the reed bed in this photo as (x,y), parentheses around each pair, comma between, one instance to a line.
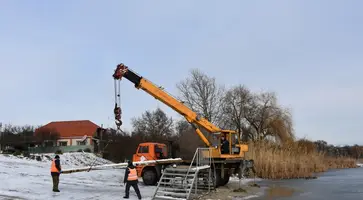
(295,159)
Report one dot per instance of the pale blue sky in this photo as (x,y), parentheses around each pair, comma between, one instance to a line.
(57,58)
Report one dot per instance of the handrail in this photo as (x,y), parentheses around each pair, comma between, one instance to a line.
(190,166)
(197,158)
(203,161)
(157,188)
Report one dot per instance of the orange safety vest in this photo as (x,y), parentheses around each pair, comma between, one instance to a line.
(53,168)
(132,175)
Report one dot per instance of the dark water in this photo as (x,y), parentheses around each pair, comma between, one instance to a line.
(345,184)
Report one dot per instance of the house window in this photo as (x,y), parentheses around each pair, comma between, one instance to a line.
(81,142)
(64,143)
(144,149)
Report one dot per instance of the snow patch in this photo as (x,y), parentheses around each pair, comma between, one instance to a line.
(249,197)
(75,159)
(25,178)
(244,181)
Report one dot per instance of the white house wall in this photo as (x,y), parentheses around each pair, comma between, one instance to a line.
(64,140)
(73,141)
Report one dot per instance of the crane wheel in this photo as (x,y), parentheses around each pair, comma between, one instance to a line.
(225,180)
(218,180)
(149,176)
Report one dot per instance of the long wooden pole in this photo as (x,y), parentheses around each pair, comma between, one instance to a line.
(122,165)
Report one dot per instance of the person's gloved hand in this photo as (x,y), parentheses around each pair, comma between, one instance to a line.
(60,171)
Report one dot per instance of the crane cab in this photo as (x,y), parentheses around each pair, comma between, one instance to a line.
(149,151)
(228,145)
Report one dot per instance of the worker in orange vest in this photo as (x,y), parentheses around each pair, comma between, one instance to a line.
(55,171)
(131,179)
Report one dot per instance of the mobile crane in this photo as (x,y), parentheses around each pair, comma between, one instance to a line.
(224,162)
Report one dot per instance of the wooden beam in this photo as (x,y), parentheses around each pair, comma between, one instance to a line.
(122,165)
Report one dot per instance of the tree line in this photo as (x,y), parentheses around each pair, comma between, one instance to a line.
(256,116)
(23,137)
(152,126)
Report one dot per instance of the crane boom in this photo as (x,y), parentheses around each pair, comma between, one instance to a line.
(158,93)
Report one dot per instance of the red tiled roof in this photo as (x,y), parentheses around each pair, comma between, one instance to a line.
(71,128)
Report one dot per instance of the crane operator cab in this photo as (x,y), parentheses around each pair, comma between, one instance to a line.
(229,145)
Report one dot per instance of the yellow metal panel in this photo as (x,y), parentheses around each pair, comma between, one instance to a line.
(244,147)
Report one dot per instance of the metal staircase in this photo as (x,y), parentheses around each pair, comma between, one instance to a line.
(184,182)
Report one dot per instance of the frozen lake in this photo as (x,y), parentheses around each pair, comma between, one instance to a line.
(341,184)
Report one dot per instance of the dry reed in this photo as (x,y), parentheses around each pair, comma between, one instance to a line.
(292,160)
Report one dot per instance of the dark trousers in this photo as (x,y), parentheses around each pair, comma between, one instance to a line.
(55,178)
(135,186)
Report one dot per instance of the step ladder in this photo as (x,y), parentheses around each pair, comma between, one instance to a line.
(183,182)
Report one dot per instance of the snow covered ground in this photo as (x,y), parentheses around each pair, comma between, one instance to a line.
(30,179)
(24,178)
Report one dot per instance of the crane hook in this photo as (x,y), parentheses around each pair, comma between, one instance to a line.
(118,124)
(119,72)
(117,112)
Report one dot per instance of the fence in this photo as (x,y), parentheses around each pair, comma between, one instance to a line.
(61,148)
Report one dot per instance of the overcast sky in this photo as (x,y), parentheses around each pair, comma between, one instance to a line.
(57,57)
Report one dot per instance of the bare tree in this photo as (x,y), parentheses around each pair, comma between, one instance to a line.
(321,146)
(235,103)
(356,151)
(280,126)
(202,94)
(256,116)
(181,126)
(46,135)
(26,130)
(267,118)
(153,125)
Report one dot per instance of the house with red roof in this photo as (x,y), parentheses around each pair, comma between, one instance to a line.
(68,133)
